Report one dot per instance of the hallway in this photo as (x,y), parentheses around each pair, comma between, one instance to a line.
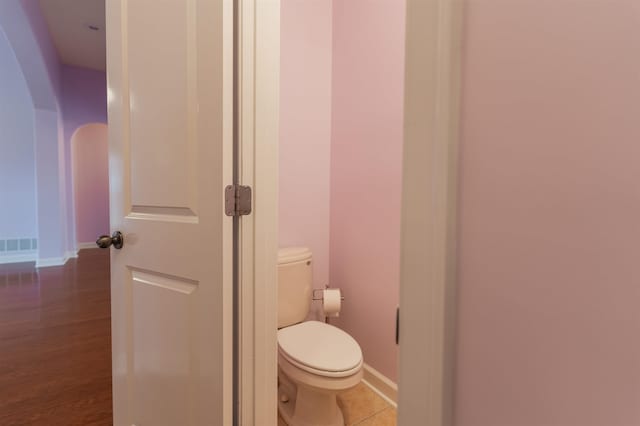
(55,343)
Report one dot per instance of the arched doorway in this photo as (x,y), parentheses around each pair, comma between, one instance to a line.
(90,159)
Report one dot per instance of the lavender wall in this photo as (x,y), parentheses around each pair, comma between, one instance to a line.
(305,130)
(17,162)
(549,208)
(366,167)
(26,30)
(51,216)
(46,49)
(44,76)
(84,101)
(80,94)
(84,97)
(43,71)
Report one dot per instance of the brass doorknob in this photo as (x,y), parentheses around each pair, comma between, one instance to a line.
(116,240)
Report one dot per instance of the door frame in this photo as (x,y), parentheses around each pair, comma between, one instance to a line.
(429,198)
(429,203)
(258,79)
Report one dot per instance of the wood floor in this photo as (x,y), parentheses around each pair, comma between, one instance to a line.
(55,343)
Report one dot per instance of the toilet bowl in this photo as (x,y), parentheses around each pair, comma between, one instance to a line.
(315,360)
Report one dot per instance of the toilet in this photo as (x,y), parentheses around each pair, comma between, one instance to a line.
(315,360)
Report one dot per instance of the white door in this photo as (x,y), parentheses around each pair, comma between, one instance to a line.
(169,121)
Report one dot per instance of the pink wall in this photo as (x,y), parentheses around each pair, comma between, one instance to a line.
(340,156)
(90,148)
(305,129)
(366,156)
(549,290)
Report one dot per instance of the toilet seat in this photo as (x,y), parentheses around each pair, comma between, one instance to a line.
(320,349)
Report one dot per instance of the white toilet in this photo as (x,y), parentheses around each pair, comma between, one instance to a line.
(315,360)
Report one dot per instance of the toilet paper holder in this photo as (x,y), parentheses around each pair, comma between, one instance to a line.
(315,297)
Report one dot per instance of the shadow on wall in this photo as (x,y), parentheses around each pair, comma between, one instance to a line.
(90,159)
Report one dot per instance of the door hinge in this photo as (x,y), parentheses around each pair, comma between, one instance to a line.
(237,200)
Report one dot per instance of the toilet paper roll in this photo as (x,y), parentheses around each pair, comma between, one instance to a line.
(331,302)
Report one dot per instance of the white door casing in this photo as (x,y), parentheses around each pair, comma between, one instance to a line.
(170,120)
(428,267)
(259,82)
(428,279)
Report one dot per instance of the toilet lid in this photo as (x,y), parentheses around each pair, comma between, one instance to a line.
(320,346)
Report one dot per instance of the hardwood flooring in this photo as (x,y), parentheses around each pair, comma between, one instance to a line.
(55,343)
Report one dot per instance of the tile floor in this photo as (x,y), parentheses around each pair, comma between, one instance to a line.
(363,407)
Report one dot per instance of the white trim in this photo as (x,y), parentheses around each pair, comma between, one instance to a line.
(51,261)
(428,280)
(71,254)
(84,246)
(227,230)
(259,80)
(246,100)
(18,258)
(380,384)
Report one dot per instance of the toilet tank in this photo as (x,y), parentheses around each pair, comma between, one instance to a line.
(294,285)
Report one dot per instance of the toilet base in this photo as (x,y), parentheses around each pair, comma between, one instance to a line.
(307,406)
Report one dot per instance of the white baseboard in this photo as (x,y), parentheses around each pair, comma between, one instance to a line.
(89,245)
(51,261)
(18,258)
(33,257)
(381,384)
(56,261)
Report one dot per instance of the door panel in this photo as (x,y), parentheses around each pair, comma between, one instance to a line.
(161,322)
(165,50)
(167,112)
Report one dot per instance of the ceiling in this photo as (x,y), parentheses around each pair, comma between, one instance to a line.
(77,28)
